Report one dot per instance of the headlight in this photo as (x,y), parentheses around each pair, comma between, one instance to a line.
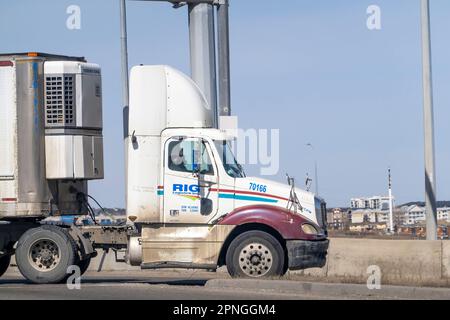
(309,229)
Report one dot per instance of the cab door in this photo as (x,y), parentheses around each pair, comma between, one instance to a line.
(189,174)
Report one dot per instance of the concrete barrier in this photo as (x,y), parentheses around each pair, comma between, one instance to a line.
(401,262)
(404,262)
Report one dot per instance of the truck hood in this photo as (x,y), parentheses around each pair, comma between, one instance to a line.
(262,191)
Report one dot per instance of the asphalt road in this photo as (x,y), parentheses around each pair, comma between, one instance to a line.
(123,286)
(190,285)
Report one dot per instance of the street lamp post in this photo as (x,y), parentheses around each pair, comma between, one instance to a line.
(391,205)
(125,85)
(316,179)
(430,175)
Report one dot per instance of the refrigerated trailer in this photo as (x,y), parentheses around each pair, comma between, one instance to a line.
(189,203)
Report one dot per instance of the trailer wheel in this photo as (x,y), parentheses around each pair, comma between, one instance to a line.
(255,254)
(4,263)
(43,254)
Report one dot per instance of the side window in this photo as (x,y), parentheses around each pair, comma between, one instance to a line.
(189,155)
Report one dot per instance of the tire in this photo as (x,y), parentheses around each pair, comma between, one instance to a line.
(4,263)
(255,254)
(43,254)
(84,265)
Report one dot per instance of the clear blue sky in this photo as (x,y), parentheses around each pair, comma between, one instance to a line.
(308,67)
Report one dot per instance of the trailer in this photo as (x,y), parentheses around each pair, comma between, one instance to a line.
(50,146)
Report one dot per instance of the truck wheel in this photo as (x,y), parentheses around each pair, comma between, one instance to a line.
(4,263)
(255,254)
(43,254)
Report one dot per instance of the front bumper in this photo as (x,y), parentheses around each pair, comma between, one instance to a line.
(303,254)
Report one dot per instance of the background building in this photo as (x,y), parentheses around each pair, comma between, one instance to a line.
(370,209)
(374,203)
(415,214)
(338,218)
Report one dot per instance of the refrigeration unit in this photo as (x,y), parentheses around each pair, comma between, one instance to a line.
(50,135)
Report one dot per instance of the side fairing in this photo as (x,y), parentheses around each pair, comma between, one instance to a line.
(143,167)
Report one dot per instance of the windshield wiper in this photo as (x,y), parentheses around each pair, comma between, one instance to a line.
(241,169)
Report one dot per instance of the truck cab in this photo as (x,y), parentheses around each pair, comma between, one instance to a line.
(192,202)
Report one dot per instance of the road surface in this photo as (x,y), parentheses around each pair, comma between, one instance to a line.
(122,286)
(200,285)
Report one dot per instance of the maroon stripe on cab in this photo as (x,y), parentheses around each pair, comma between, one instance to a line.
(6,63)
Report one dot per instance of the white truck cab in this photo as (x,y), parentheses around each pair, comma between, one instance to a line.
(190,197)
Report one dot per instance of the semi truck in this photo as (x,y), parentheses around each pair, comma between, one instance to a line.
(189,203)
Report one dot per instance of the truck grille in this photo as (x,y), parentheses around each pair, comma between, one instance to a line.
(60,100)
(323,207)
(321,213)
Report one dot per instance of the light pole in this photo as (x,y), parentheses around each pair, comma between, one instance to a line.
(391,214)
(316,179)
(125,85)
(430,175)
(203,51)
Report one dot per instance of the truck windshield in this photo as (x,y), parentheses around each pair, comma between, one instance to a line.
(231,166)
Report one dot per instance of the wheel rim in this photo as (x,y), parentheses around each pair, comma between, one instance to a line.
(255,260)
(44,255)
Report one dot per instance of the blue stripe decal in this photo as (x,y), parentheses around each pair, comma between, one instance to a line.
(233,196)
(248,198)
